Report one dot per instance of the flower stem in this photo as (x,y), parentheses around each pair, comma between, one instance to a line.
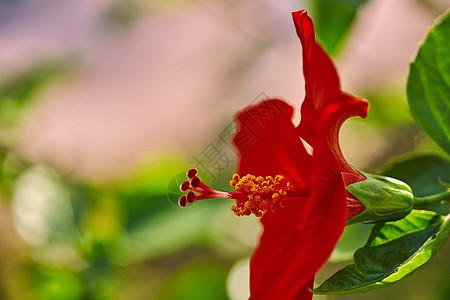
(423,202)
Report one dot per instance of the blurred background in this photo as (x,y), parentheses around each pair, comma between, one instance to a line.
(104,104)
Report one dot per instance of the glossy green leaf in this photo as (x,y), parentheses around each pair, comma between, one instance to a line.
(428,86)
(353,238)
(423,173)
(426,174)
(394,250)
(332,20)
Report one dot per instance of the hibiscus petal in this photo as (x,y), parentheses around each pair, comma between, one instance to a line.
(306,250)
(325,106)
(339,107)
(320,74)
(277,249)
(297,240)
(268,144)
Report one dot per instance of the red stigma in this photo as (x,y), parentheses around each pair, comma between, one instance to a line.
(190,197)
(197,190)
(191,173)
(182,201)
(195,182)
(184,186)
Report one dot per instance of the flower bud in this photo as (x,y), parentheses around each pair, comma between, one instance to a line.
(385,198)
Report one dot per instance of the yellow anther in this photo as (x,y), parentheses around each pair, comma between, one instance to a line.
(236,177)
(264,205)
(258,194)
(249,204)
(279,178)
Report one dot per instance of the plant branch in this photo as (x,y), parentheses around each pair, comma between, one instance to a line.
(423,202)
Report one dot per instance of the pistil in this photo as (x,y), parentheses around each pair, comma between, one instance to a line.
(252,195)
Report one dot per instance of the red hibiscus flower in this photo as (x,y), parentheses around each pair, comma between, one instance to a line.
(301,196)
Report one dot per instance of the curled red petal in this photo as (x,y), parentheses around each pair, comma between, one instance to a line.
(339,107)
(325,106)
(319,72)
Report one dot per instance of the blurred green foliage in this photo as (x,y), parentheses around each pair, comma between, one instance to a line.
(333,20)
(85,240)
(84,237)
(16,92)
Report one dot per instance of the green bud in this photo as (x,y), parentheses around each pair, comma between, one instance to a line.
(385,198)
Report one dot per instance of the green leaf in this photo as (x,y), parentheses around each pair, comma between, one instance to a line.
(428,85)
(423,173)
(332,19)
(426,174)
(353,238)
(394,250)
